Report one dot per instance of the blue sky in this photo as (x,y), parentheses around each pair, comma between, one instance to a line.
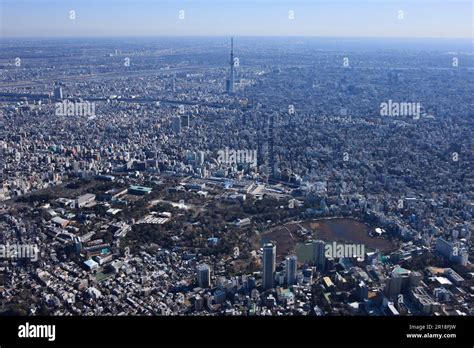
(341,18)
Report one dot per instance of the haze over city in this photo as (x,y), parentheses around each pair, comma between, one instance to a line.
(236,159)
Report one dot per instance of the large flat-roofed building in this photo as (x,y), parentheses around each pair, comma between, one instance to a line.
(423,300)
(444,247)
(112,194)
(453,276)
(84,199)
(139,190)
(60,221)
(91,264)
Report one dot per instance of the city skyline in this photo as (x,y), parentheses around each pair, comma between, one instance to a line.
(207,158)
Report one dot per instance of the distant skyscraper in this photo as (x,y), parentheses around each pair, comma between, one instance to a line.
(263,142)
(269,263)
(230,82)
(318,254)
(393,77)
(58,93)
(176,124)
(203,275)
(291,264)
(271,150)
(184,120)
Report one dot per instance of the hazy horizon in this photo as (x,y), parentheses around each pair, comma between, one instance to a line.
(264,18)
(239,36)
